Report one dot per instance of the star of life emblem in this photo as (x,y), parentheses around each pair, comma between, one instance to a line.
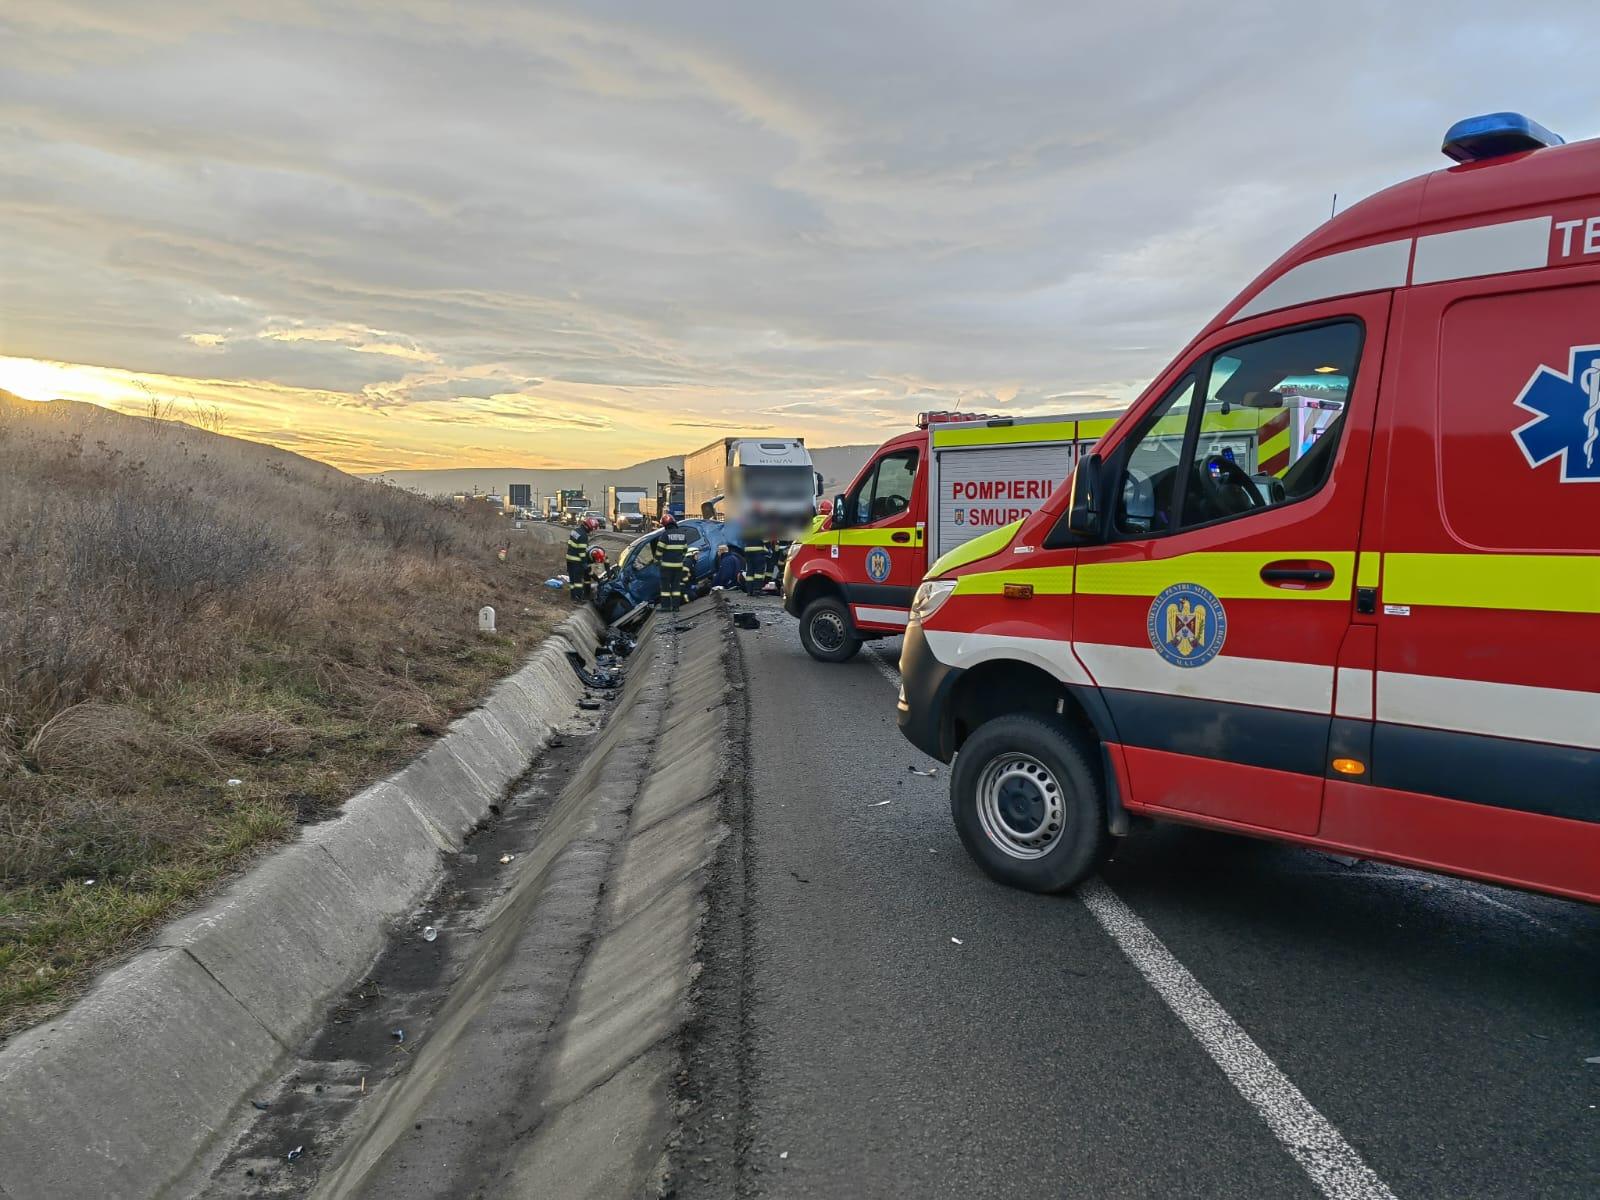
(1566,424)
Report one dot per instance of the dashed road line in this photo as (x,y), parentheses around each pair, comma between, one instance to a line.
(1310,1138)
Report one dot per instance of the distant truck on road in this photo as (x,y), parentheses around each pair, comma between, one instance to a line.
(625,507)
(574,505)
(767,482)
(552,508)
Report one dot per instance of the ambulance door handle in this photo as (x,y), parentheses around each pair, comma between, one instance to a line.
(900,537)
(1297,573)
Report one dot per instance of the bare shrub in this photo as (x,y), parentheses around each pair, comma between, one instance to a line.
(258,735)
(110,741)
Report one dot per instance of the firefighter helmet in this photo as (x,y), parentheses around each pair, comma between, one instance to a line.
(598,554)
(591,524)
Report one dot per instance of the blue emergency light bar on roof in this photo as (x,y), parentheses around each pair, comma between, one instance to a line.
(1495,134)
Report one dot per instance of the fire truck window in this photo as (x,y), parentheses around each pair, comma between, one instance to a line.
(886,492)
(1270,428)
(1144,502)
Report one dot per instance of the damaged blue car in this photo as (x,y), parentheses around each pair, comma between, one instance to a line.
(636,579)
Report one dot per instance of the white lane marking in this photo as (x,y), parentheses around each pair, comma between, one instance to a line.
(1312,1140)
(1332,1163)
(888,668)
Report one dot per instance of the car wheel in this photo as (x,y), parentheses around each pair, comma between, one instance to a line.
(1027,804)
(825,631)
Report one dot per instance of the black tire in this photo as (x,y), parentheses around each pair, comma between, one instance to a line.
(1028,805)
(825,631)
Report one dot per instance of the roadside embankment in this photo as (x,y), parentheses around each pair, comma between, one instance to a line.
(128,1088)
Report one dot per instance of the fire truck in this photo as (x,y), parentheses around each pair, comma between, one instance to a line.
(921,494)
(1388,647)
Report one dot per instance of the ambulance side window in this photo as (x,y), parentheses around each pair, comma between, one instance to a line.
(1149,481)
(1273,415)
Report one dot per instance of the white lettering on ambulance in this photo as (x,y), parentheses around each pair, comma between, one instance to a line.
(1570,243)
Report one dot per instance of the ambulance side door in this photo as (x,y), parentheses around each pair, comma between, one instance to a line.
(882,551)
(1213,614)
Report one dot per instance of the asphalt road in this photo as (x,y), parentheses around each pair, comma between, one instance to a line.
(1426,1036)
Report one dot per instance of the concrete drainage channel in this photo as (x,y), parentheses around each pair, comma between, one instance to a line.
(553,991)
(531,1048)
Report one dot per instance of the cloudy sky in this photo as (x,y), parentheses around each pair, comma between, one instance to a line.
(396,233)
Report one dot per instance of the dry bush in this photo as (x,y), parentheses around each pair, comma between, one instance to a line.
(111,741)
(258,735)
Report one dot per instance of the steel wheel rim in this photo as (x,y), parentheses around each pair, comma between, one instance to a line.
(827,630)
(1020,806)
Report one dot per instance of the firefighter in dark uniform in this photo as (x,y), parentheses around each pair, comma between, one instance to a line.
(755,562)
(672,549)
(578,559)
(773,561)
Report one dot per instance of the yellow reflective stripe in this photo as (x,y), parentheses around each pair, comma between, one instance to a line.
(1530,582)
(978,434)
(1094,429)
(981,546)
(1234,575)
(1046,581)
(879,537)
(1278,441)
(1367,569)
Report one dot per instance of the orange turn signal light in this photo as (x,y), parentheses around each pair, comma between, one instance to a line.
(1019,591)
(1349,766)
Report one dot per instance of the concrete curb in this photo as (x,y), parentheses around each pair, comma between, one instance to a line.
(123,1092)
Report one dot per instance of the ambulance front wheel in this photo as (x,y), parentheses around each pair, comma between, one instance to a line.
(1027,805)
(825,631)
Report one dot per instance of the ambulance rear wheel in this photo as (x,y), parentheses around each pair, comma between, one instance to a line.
(1027,804)
(825,631)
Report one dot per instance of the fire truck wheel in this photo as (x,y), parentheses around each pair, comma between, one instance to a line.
(825,631)
(1027,804)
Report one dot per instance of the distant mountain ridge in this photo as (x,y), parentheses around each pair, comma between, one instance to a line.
(838,465)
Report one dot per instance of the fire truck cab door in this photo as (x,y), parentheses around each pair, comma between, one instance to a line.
(1212,615)
(882,551)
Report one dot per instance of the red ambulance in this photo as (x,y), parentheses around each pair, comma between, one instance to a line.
(1391,648)
(922,494)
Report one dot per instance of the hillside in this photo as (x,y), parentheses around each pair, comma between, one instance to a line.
(203,643)
(838,465)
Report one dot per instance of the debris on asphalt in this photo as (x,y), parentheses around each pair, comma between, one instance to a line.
(429,933)
(505,858)
(260,1105)
(801,878)
(589,705)
(878,803)
(958,941)
(557,582)
(746,620)
(295,1153)
(399,1035)
(930,772)
(1593,1062)
(785,1154)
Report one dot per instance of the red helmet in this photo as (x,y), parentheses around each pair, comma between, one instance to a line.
(668,519)
(591,524)
(598,554)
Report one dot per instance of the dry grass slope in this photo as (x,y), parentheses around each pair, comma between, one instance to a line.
(179,610)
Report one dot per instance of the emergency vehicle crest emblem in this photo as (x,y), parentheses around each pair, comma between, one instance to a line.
(1566,424)
(878,564)
(1187,625)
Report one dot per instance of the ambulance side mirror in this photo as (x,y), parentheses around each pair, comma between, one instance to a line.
(1085,511)
(839,517)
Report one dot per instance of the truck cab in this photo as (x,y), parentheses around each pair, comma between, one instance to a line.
(1377,633)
